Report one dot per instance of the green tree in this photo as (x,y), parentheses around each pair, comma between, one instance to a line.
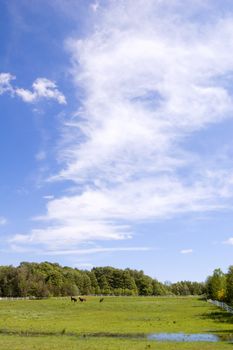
(128,284)
(86,284)
(229,285)
(216,285)
(104,286)
(95,289)
(8,281)
(159,288)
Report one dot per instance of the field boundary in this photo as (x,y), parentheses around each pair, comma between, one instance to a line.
(221,304)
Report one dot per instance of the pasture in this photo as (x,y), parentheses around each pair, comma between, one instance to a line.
(115,323)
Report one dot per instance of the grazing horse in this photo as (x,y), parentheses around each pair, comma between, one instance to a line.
(82,299)
(102,299)
(73,299)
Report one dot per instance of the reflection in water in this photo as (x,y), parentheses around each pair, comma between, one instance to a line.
(181,337)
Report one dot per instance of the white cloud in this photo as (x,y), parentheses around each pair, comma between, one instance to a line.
(16,247)
(5,83)
(48,196)
(229,241)
(41,88)
(25,95)
(72,231)
(140,83)
(152,76)
(98,250)
(186,251)
(3,221)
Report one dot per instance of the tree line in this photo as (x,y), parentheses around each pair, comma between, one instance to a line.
(51,279)
(219,286)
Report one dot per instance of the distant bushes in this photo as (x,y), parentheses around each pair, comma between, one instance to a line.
(50,279)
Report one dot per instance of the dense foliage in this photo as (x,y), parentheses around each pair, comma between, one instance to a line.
(50,279)
(220,286)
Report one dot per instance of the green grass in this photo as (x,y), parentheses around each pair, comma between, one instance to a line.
(60,324)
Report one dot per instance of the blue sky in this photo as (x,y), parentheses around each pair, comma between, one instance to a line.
(116,140)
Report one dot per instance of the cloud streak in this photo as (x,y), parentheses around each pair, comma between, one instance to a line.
(186,251)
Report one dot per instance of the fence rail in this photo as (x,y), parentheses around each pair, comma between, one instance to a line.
(14,298)
(222,305)
(20,298)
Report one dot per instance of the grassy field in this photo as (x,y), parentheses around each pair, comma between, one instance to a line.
(117,323)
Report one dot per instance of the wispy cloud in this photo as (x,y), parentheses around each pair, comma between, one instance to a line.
(82,251)
(186,251)
(42,88)
(152,75)
(48,196)
(229,241)
(40,155)
(5,83)
(3,221)
(98,250)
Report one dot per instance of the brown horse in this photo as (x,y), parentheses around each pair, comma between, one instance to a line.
(82,299)
(101,299)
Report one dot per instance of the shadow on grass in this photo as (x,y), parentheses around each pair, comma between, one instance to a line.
(64,332)
(225,335)
(219,316)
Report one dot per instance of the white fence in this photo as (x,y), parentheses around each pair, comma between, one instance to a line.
(222,305)
(14,298)
(32,298)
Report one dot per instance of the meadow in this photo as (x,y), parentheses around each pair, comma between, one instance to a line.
(116,323)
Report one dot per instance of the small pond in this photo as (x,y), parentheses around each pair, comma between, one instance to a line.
(182,337)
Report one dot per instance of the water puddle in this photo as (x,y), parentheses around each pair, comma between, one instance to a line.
(166,337)
(182,337)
